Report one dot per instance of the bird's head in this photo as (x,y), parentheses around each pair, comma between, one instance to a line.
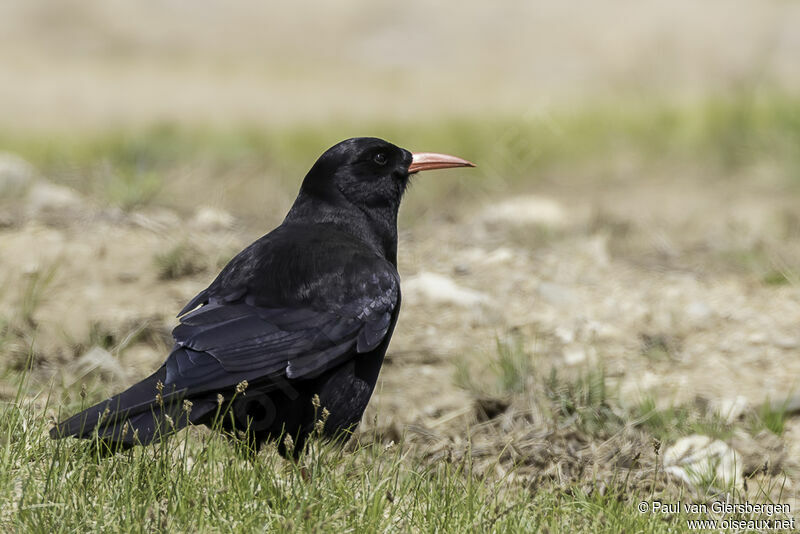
(369,173)
(357,186)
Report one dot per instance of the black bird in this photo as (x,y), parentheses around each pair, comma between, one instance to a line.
(294,327)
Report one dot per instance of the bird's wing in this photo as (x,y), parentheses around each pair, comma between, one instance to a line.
(223,342)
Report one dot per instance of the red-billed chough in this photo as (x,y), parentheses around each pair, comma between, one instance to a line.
(306,311)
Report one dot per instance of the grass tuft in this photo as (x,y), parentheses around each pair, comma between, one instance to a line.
(513,366)
(668,424)
(584,400)
(178,262)
(771,416)
(34,292)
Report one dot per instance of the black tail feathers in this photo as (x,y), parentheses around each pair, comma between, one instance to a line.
(143,413)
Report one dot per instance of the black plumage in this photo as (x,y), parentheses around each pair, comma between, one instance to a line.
(307,310)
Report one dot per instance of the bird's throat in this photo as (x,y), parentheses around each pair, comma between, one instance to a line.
(375,225)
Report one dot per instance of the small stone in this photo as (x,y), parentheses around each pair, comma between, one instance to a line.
(697,312)
(212,219)
(757,338)
(526,210)
(574,354)
(461,269)
(731,408)
(564,334)
(556,294)
(7,221)
(47,197)
(441,289)
(16,176)
(787,343)
(498,255)
(702,461)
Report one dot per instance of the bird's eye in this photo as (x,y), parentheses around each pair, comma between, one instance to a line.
(380,158)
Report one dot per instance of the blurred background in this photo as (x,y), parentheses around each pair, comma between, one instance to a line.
(166,93)
(634,214)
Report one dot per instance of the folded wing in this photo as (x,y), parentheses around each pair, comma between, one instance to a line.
(223,343)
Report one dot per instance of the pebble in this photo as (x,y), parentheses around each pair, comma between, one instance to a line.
(574,354)
(441,289)
(698,312)
(46,197)
(701,460)
(16,175)
(526,210)
(730,408)
(212,219)
(556,294)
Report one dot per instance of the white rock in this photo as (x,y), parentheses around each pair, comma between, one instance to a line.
(526,210)
(208,218)
(499,255)
(574,354)
(441,289)
(16,175)
(698,312)
(598,330)
(565,334)
(702,461)
(730,408)
(555,294)
(757,338)
(787,342)
(44,196)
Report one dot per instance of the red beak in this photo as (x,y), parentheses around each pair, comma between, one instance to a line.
(427,161)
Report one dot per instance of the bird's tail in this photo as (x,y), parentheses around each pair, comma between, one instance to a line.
(145,412)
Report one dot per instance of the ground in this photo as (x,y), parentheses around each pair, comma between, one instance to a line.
(604,311)
(612,306)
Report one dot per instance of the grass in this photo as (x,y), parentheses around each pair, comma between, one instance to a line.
(179,261)
(131,189)
(508,371)
(513,366)
(581,399)
(34,292)
(200,482)
(18,328)
(180,165)
(585,400)
(764,262)
(674,421)
(771,416)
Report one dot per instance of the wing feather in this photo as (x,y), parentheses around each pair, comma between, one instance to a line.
(224,342)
